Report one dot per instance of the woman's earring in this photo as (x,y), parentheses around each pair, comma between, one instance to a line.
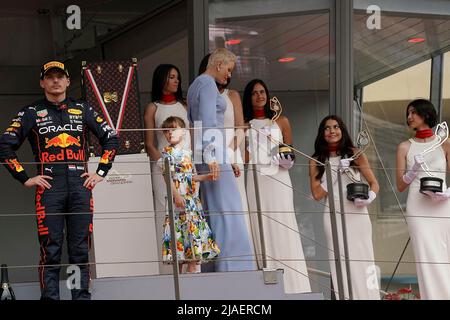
(218,68)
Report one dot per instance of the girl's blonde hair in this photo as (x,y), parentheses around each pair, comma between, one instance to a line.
(172,122)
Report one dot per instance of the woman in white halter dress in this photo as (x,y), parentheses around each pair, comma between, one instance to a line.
(167,101)
(282,239)
(333,143)
(427,215)
(234,140)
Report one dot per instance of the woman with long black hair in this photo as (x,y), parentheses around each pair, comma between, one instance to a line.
(282,239)
(333,143)
(427,215)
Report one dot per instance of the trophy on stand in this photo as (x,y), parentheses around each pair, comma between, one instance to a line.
(358,189)
(433,183)
(282,149)
(275,106)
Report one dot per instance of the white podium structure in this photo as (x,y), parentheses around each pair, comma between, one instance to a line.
(124,235)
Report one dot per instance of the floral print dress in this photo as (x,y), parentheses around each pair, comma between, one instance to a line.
(195,241)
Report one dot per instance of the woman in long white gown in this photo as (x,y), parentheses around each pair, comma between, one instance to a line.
(427,215)
(333,143)
(167,100)
(282,239)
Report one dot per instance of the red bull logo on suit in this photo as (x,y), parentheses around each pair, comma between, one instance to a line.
(63,140)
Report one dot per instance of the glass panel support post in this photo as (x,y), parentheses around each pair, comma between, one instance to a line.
(333,217)
(173,238)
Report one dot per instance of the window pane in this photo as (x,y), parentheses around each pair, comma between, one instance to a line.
(285,44)
(393,43)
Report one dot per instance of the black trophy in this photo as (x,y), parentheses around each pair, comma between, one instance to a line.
(6,292)
(433,183)
(358,189)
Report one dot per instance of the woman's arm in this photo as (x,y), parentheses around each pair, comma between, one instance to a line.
(238,118)
(202,177)
(149,122)
(402,151)
(246,145)
(177,197)
(446,147)
(364,167)
(286,131)
(317,190)
(190,129)
(207,111)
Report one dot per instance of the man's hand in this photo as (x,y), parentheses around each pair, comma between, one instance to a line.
(40,181)
(214,170)
(236,170)
(92,180)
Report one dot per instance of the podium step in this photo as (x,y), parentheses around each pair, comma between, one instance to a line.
(243,285)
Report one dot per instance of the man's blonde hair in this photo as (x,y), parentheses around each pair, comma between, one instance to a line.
(221,55)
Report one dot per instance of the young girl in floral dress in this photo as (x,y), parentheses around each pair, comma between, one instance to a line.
(195,241)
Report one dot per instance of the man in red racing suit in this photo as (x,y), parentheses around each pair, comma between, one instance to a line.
(56,128)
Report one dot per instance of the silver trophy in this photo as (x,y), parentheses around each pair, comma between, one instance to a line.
(433,183)
(282,148)
(358,189)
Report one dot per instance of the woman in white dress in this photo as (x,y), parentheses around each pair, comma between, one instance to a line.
(282,239)
(167,100)
(333,143)
(427,215)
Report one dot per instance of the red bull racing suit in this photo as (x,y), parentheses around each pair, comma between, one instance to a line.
(57,134)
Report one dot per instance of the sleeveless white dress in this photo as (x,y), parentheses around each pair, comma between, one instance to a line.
(230,134)
(163,111)
(282,239)
(429,227)
(364,278)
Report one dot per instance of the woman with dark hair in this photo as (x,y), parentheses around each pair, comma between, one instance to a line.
(167,100)
(333,143)
(427,215)
(281,233)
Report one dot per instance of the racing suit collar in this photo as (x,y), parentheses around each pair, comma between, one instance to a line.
(60,105)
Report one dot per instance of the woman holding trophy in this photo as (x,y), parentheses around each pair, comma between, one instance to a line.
(268,140)
(422,162)
(333,143)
